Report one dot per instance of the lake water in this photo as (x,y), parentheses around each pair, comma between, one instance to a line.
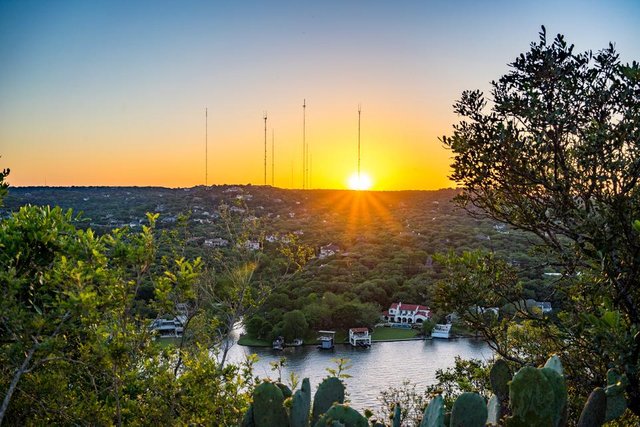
(383,365)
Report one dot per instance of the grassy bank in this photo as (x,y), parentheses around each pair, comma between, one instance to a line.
(382,334)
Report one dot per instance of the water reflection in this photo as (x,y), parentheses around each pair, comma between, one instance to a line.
(372,370)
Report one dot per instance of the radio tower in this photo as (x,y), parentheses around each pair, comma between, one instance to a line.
(273,161)
(265,148)
(206,147)
(359,143)
(304,144)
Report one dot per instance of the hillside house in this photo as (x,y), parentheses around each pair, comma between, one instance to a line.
(406,313)
(217,242)
(171,328)
(328,250)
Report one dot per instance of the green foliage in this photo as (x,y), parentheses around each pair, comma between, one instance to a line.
(465,376)
(3,184)
(294,325)
(556,153)
(407,398)
(71,340)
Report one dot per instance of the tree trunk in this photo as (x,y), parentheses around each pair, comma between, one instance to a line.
(14,381)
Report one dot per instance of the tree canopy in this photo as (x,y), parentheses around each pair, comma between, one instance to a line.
(555,150)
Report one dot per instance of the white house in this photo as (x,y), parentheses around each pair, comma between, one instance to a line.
(217,242)
(406,313)
(328,250)
(171,328)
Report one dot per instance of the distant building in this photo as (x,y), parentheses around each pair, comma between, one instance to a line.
(406,313)
(171,328)
(252,245)
(328,250)
(217,242)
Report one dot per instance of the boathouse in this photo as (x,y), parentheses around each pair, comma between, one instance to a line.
(359,337)
(326,339)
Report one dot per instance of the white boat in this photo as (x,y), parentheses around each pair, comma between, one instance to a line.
(441,331)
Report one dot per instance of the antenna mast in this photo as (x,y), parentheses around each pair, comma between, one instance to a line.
(359,109)
(304,143)
(265,148)
(273,161)
(206,146)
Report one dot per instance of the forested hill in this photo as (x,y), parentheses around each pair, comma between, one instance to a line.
(370,247)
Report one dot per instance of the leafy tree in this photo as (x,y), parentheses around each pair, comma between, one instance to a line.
(556,151)
(3,185)
(72,348)
(294,325)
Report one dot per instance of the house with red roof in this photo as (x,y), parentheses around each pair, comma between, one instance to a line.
(406,313)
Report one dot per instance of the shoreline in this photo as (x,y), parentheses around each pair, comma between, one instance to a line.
(372,341)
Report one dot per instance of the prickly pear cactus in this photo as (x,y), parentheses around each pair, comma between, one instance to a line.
(616,402)
(499,376)
(434,413)
(247,420)
(554,363)
(330,391)
(268,409)
(397,415)
(531,398)
(594,411)
(342,415)
(493,410)
(469,410)
(301,405)
(559,388)
(286,391)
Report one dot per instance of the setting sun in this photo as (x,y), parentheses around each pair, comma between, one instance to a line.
(359,182)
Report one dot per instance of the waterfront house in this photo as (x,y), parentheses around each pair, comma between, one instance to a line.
(406,313)
(359,337)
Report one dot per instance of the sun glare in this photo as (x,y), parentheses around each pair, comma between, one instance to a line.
(359,182)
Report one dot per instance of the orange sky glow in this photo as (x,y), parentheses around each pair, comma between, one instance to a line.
(114,93)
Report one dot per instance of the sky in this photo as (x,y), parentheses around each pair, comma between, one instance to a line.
(115,92)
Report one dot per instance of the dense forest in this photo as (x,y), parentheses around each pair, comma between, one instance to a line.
(362,250)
